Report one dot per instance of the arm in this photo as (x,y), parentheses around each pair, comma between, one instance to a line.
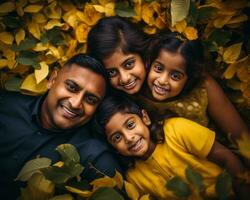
(222,110)
(225,158)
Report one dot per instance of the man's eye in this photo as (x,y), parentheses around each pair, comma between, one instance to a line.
(175,75)
(158,68)
(112,73)
(131,124)
(116,138)
(91,99)
(129,64)
(71,87)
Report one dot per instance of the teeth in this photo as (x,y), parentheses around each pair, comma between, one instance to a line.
(69,111)
(136,145)
(160,90)
(130,85)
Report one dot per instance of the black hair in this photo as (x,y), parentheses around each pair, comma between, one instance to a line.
(85,61)
(113,33)
(120,103)
(191,50)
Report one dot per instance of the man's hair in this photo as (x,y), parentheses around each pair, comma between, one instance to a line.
(85,61)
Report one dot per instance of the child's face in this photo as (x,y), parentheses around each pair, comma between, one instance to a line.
(126,71)
(129,134)
(167,75)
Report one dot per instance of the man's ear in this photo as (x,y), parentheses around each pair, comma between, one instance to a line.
(145,117)
(52,78)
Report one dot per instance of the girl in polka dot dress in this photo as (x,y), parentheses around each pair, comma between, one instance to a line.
(177,82)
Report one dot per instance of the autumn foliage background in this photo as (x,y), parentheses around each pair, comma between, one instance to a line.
(37,36)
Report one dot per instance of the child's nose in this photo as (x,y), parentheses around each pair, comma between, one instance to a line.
(163,79)
(129,138)
(124,78)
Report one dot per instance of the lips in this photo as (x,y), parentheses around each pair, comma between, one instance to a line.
(69,113)
(136,146)
(161,90)
(130,85)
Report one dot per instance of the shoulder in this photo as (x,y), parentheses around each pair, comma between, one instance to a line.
(14,97)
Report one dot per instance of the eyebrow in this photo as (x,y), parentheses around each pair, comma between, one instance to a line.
(179,69)
(72,82)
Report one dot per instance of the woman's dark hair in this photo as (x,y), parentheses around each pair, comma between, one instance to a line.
(113,33)
(191,50)
(121,103)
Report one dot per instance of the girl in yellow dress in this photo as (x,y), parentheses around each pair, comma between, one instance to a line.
(185,143)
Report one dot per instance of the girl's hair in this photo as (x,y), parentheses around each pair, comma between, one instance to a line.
(121,103)
(114,33)
(191,50)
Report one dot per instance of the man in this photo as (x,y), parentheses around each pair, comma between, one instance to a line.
(31,126)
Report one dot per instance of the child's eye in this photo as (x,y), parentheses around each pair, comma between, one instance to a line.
(112,73)
(130,124)
(129,64)
(116,138)
(175,75)
(158,68)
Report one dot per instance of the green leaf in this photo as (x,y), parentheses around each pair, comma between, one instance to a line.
(223,185)
(195,178)
(54,36)
(206,13)
(28,58)
(82,185)
(12,22)
(123,10)
(220,36)
(73,168)
(24,45)
(31,167)
(192,15)
(179,10)
(179,187)
(68,153)
(62,197)
(210,46)
(13,84)
(106,193)
(57,175)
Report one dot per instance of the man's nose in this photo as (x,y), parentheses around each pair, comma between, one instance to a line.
(76,101)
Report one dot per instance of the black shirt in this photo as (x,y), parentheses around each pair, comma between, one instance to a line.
(22,138)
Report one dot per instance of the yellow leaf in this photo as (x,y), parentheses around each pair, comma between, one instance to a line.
(244,145)
(90,16)
(20,35)
(234,84)
(6,37)
(138,11)
(179,10)
(148,14)
(9,54)
(245,176)
(21,69)
(39,18)
(191,33)
(7,7)
(59,164)
(29,85)
(230,71)
(53,51)
(232,53)
(246,93)
(71,48)
(71,18)
(221,21)
(131,191)
(150,29)
(12,64)
(180,26)
(32,8)
(108,9)
(52,23)
(103,182)
(119,179)
(53,11)
(81,193)
(39,187)
(3,63)
(62,197)
(145,197)
(82,32)
(34,29)
(41,74)
(67,5)
(41,47)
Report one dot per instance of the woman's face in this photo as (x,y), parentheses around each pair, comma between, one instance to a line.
(127,72)
(167,76)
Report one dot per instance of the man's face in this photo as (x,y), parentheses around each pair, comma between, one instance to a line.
(74,94)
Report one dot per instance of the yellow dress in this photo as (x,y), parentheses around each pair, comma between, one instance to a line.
(192,106)
(179,150)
